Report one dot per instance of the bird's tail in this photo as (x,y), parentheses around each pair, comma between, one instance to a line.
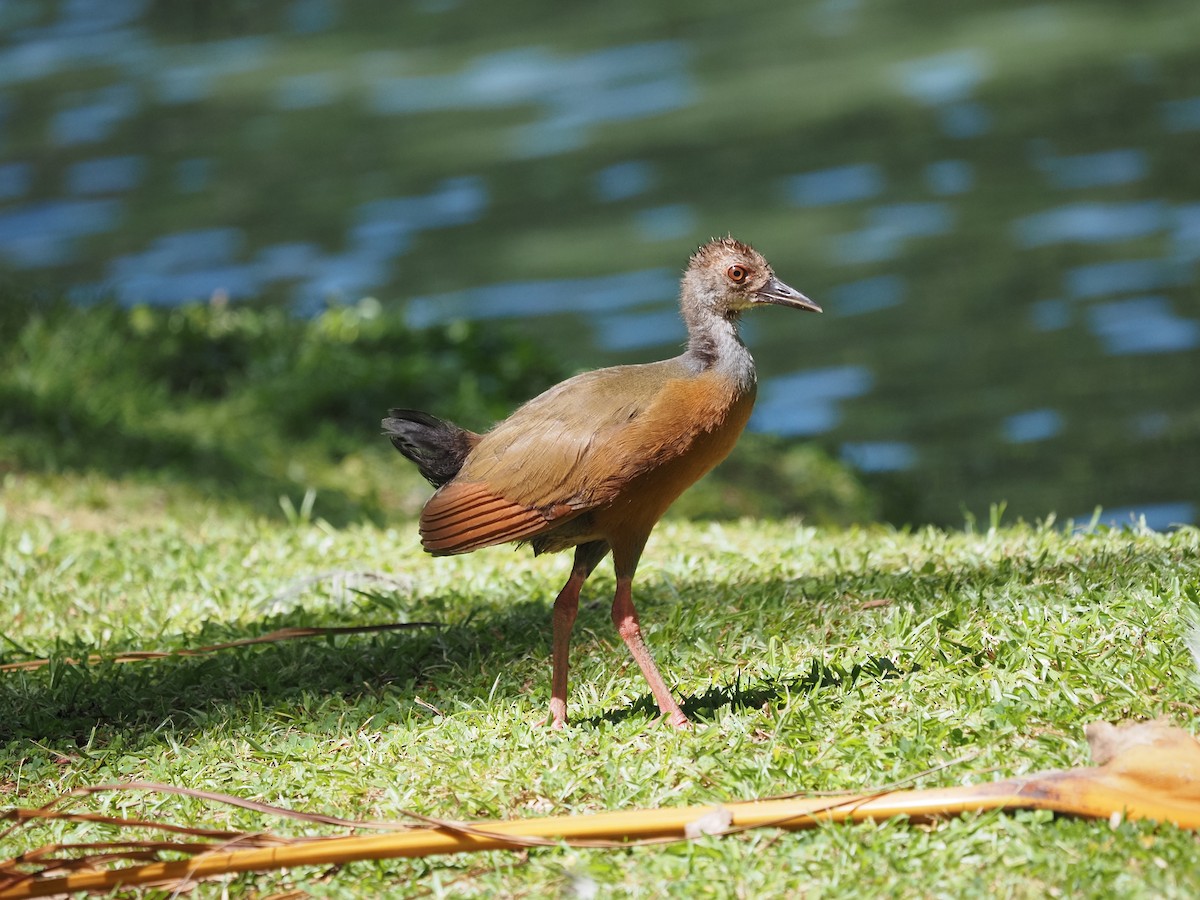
(439,448)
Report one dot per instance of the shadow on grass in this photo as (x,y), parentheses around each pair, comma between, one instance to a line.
(65,706)
(738,696)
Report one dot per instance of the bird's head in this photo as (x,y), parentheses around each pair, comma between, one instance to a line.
(725,277)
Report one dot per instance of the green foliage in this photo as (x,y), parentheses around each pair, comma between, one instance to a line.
(250,401)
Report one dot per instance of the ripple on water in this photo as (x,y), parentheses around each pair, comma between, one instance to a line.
(15,180)
(1092,223)
(867,295)
(879,456)
(637,331)
(107,175)
(806,402)
(538,298)
(950,176)
(43,233)
(1102,169)
(1123,276)
(945,77)
(96,117)
(1181,115)
(1033,425)
(888,227)
(1142,325)
(624,180)
(841,184)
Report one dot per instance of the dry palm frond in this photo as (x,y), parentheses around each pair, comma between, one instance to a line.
(1144,771)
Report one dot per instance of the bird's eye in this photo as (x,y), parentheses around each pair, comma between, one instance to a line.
(737,274)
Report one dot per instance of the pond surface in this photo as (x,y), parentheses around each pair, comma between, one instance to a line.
(997,205)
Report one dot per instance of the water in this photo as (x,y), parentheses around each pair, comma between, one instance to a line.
(1006,244)
(1033,425)
(808,402)
(538,298)
(843,184)
(1142,325)
(1092,223)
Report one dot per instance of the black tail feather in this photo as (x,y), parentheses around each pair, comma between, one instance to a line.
(439,448)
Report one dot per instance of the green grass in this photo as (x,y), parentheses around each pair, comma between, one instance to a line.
(996,646)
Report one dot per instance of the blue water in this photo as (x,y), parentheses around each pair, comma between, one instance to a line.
(1142,325)
(807,402)
(1033,425)
(533,298)
(944,78)
(44,233)
(879,456)
(843,184)
(868,295)
(622,181)
(107,175)
(1092,223)
(889,227)
(947,177)
(1122,277)
(1086,170)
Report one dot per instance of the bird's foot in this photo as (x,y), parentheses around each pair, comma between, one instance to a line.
(679,720)
(557,717)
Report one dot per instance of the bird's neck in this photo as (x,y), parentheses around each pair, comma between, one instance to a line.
(714,345)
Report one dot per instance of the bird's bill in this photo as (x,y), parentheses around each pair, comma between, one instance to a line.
(775,291)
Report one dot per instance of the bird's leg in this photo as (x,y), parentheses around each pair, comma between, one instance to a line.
(566,606)
(626,619)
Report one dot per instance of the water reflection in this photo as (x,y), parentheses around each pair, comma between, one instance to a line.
(806,403)
(950,176)
(1142,325)
(879,456)
(889,227)
(842,184)
(44,233)
(1085,170)
(575,93)
(96,115)
(533,298)
(1033,425)
(109,175)
(15,179)
(867,295)
(624,180)
(1181,115)
(1122,277)
(1095,223)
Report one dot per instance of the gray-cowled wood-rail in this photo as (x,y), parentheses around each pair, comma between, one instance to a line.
(594,462)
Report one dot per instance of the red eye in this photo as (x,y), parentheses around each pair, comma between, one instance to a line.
(737,274)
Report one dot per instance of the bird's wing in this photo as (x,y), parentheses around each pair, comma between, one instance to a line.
(566,451)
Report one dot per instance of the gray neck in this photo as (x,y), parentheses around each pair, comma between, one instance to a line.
(715,346)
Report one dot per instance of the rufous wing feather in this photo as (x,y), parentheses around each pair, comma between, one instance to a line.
(464,516)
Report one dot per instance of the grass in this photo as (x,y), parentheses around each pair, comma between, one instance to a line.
(993,646)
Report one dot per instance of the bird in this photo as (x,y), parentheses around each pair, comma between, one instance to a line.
(594,462)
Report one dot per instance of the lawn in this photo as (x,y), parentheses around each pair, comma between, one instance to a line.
(810,660)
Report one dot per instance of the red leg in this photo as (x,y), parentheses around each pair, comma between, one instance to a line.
(626,619)
(566,606)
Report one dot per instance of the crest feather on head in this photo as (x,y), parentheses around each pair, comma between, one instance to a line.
(727,244)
